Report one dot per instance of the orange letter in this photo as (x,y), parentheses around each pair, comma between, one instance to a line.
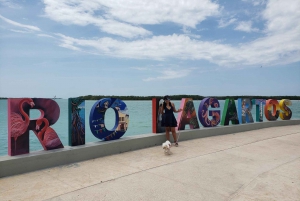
(272,115)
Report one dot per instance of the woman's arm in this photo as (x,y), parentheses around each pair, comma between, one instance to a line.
(174,109)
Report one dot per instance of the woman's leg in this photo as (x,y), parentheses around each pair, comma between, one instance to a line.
(174,134)
(167,133)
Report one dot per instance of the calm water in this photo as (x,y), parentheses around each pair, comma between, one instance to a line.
(140,120)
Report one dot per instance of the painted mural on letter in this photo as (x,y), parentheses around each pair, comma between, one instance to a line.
(244,110)
(259,109)
(97,116)
(229,113)
(286,113)
(188,115)
(76,121)
(272,110)
(204,113)
(19,124)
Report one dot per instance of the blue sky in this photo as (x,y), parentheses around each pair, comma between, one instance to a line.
(68,48)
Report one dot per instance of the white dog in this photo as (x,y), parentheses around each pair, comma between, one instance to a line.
(167,146)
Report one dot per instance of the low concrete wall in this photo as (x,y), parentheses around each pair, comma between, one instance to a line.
(12,165)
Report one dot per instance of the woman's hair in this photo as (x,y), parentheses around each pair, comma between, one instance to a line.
(166,97)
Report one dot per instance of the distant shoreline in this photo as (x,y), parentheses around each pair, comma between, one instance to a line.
(4,98)
(179,97)
(194,97)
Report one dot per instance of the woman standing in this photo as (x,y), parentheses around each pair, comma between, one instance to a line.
(168,120)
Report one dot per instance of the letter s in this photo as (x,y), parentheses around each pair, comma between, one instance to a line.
(287,113)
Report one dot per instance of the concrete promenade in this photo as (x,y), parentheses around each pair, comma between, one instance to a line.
(254,165)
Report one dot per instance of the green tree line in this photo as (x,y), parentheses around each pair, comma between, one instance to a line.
(179,97)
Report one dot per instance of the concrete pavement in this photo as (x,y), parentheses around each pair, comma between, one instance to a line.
(254,165)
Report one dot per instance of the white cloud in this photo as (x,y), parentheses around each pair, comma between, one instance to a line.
(223,23)
(67,43)
(282,16)
(69,46)
(82,13)
(10,4)
(187,32)
(188,13)
(271,50)
(140,68)
(28,27)
(280,45)
(45,35)
(170,74)
(123,29)
(124,17)
(256,2)
(157,47)
(19,31)
(245,26)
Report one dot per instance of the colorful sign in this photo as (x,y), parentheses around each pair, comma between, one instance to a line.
(244,110)
(272,110)
(287,112)
(259,103)
(188,115)
(76,121)
(229,113)
(204,112)
(97,116)
(19,124)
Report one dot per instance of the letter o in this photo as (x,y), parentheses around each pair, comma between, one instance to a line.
(97,116)
(272,110)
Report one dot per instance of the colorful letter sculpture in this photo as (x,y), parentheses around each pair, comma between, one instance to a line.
(244,110)
(76,121)
(259,109)
(157,107)
(19,124)
(188,115)
(97,116)
(229,113)
(272,110)
(287,113)
(204,113)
